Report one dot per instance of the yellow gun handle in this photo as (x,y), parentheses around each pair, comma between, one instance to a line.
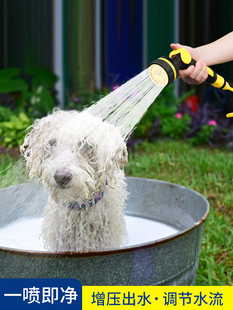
(184,60)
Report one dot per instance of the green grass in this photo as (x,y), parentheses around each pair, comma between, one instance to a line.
(209,172)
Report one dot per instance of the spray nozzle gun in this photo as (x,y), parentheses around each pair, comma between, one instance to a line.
(164,70)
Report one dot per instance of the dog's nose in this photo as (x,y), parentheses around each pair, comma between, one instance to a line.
(62,177)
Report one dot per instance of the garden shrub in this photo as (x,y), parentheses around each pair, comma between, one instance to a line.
(23,100)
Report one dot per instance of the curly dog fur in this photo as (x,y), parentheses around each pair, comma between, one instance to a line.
(78,158)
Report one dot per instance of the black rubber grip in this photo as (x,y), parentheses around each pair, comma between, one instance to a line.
(211,79)
(182,66)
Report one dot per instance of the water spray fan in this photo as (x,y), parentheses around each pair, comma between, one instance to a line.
(164,70)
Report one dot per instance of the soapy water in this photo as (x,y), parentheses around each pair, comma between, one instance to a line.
(24,234)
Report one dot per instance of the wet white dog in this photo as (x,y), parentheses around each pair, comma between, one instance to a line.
(78,158)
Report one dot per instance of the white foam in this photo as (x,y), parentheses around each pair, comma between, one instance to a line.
(24,234)
(142,230)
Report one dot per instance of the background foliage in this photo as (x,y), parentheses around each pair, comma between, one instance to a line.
(24,96)
(30,94)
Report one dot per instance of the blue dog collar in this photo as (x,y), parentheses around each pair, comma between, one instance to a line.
(91,202)
(83,206)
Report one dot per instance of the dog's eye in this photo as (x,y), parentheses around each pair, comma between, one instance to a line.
(52,142)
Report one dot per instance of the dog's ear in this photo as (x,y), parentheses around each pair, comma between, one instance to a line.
(120,154)
(34,146)
(33,154)
(114,151)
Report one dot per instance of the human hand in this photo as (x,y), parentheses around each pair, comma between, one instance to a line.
(194,75)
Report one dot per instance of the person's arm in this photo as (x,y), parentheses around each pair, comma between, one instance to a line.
(217,52)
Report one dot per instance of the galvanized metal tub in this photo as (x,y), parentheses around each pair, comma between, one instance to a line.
(168,261)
